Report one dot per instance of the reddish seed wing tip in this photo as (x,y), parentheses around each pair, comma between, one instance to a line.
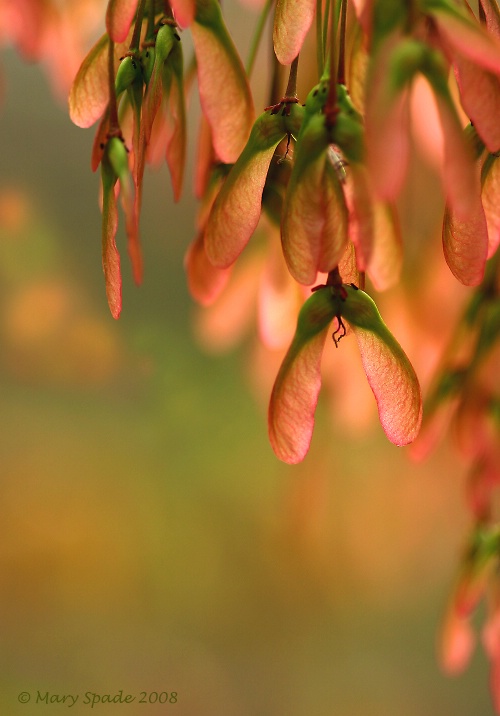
(393,382)
(293,18)
(115,311)
(184,11)
(465,244)
(119,18)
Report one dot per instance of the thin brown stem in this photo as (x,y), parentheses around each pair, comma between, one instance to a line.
(136,36)
(412,15)
(482,14)
(167,10)
(276,79)
(334,278)
(285,104)
(291,88)
(114,125)
(150,31)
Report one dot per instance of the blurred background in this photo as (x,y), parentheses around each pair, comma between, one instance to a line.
(150,540)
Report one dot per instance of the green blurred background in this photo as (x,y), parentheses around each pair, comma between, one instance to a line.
(150,541)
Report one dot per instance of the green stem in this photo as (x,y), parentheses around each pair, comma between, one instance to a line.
(324,39)
(320,57)
(341,65)
(258,36)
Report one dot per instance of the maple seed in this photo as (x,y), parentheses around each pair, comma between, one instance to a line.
(339,330)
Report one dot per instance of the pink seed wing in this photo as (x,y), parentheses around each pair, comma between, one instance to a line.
(224,90)
(110,255)
(480,97)
(361,209)
(119,16)
(292,21)
(385,263)
(465,244)
(184,11)
(176,147)
(205,281)
(389,372)
(387,122)
(302,221)
(491,205)
(468,37)
(294,399)
(393,382)
(237,208)
(89,94)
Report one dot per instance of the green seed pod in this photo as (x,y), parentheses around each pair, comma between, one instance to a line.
(294,120)
(348,134)
(316,98)
(118,157)
(317,313)
(147,63)
(128,71)
(345,104)
(164,42)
